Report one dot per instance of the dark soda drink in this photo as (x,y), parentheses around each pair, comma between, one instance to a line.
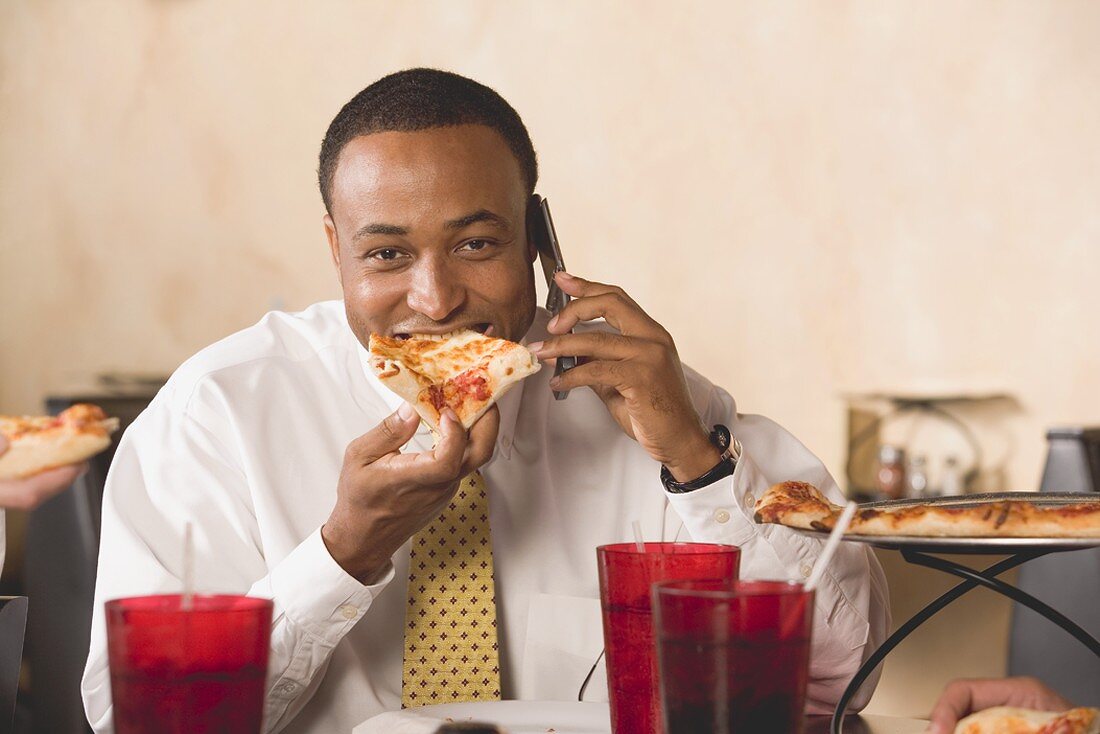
(195,668)
(627,576)
(734,658)
(734,688)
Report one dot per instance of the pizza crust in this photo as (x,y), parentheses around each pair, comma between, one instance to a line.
(466,371)
(801,505)
(39,443)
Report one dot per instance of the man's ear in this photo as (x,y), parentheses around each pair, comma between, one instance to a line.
(333,240)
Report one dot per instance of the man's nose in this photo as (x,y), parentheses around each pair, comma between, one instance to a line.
(434,291)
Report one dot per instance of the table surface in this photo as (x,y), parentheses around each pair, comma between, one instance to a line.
(868,724)
(527,717)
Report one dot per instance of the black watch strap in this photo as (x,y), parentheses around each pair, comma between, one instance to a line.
(727,463)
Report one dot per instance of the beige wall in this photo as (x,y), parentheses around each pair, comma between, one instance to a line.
(813,197)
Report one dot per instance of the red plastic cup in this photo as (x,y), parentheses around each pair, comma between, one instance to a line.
(196,671)
(734,658)
(626,580)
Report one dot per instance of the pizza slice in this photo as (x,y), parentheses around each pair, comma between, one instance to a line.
(802,505)
(797,505)
(464,370)
(38,443)
(1008,720)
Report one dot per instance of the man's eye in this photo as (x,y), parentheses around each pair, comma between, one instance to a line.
(387,253)
(475,245)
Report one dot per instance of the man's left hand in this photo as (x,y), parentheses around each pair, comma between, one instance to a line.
(636,373)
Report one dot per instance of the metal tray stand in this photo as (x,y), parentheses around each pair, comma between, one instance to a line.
(919,551)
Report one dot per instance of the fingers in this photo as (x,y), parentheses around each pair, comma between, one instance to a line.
(594,344)
(388,436)
(598,375)
(962,697)
(609,302)
(3,445)
(26,494)
(581,288)
(444,462)
(483,439)
(954,703)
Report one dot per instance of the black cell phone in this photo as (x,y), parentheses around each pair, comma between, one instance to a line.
(540,228)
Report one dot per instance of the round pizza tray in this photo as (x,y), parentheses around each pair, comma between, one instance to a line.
(987,546)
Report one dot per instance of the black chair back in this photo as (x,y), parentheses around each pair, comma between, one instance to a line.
(1069,582)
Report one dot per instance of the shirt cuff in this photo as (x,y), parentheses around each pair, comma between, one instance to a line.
(721,512)
(318,596)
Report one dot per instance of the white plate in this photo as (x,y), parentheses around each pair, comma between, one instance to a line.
(517,717)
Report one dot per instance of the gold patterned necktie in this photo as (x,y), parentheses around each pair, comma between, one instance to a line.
(451,615)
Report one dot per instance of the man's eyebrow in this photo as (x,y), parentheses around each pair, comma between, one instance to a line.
(481,215)
(377,228)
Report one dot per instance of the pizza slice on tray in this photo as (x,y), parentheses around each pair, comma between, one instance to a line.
(1008,720)
(38,443)
(802,505)
(464,370)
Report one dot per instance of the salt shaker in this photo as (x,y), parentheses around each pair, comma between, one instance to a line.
(890,478)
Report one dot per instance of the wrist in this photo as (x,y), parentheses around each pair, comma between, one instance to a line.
(697,457)
(364,565)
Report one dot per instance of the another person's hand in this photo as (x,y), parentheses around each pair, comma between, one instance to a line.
(26,494)
(384,497)
(963,697)
(636,373)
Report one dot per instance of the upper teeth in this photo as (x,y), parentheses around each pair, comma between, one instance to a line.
(440,337)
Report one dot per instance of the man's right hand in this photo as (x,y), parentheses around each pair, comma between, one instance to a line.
(384,497)
(963,697)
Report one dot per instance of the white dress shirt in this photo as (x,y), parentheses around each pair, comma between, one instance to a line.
(247,439)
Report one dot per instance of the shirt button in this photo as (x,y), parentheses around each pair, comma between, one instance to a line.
(287,687)
(806,570)
(721,516)
(750,501)
(349,612)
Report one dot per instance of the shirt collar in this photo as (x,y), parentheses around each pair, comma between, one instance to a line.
(507,405)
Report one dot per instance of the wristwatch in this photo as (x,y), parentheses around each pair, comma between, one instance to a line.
(727,463)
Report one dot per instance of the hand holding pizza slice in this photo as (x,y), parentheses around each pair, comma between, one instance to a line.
(1009,720)
(39,443)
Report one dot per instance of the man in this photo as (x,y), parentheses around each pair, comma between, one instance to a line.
(283,449)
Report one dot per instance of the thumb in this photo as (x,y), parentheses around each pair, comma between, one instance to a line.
(943,719)
(385,438)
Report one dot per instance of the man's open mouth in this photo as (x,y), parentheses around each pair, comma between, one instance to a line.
(482,328)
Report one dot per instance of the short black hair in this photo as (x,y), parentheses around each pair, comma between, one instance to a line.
(420,99)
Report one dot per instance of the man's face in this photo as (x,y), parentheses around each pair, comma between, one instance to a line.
(428,232)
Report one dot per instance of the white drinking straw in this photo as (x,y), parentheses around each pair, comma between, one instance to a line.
(638,536)
(188,569)
(831,545)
